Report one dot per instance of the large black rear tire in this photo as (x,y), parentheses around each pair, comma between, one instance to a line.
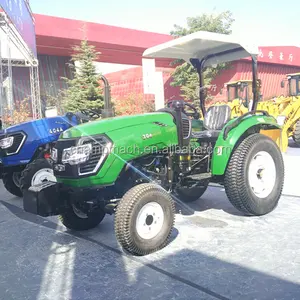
(11,186)
(296,136)
(144,219)
(255,175)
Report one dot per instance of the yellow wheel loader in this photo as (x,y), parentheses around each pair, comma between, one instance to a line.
(289,117)
(239,94)
(237,97)
(285,109)
(240,97)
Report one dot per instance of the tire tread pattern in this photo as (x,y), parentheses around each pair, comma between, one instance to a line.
(10,185)
(297,133)
(234,183)
(123,218)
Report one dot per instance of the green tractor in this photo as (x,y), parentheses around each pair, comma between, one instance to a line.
(135,166)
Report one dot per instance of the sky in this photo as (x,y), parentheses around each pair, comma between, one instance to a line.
(270,23)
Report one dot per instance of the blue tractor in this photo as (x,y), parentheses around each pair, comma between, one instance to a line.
(25,150)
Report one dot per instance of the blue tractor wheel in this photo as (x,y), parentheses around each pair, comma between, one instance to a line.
(38,171)
(11,184)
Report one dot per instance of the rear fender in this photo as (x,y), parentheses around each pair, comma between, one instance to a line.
(235,132)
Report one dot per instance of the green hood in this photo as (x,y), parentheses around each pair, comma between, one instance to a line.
(111,124)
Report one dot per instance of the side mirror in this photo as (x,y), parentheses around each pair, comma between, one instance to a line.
(282,84)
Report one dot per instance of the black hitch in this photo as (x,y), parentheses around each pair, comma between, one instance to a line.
(43,199)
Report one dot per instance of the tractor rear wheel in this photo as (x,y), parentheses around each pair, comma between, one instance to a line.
(296,136)
(38,171)
(255,175)
(144,219)
(12,184)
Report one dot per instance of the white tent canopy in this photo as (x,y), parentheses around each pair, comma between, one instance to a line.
(200,44)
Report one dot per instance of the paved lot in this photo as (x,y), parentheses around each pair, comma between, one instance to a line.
(215,253)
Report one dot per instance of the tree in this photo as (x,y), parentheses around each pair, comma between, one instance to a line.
(185,74)
(21,113)
(133,104)
(84,90)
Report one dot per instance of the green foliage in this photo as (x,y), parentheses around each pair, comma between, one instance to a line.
(84,90)
(185,74)
(48,100)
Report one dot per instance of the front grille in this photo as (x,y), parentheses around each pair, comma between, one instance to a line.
(19,139)
(186,128)
(98,145)
(87,168)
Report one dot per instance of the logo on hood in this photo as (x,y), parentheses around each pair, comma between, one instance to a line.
(56,130)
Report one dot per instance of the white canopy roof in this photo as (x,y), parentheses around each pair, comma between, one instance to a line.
(199,45)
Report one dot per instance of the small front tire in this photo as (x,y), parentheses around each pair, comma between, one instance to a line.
(255,175)
(144,219)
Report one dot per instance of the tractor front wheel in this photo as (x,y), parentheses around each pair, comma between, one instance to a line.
(38,171)
(255,175)
(144,219)
(296,136)
(11,182)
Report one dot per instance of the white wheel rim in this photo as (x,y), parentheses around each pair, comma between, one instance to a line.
(42,176)
(150,220)
(262,174)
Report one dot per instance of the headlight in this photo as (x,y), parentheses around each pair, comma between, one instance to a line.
(6,142)
(280,120)
(76,155)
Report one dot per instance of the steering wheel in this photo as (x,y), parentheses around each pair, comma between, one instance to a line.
(182,104)
(83,116)
(92,114)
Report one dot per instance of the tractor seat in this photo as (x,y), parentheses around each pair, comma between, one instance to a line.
(215,119)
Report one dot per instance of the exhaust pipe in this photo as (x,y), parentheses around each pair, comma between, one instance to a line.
(108,111)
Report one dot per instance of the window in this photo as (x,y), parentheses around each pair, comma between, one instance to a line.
(232,92)
(293,86)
